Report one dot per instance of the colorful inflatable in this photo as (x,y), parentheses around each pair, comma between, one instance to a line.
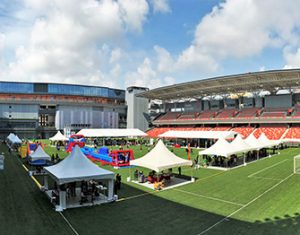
(75,140)
(116,158)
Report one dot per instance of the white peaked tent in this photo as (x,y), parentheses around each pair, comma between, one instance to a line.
(39,154)
(17,140)
(199,134)
(239,144)
(111,132)
(10,136)
(255,143)
(267,142)
(14,139)
(77,167)
(58,137)
(160,158)
(220,148)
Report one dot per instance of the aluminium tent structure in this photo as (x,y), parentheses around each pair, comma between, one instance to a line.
(267,142)
(220,148)
(58,137)
(255,143)
(77,167)
(111,132)
(199,134)
(39,154)
(160,158)
(240,145)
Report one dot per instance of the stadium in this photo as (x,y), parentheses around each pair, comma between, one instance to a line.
(252,195)
(261,102)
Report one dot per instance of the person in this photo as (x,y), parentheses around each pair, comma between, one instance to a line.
(52,157)
(136,174)
(179,170)
(57,146)
(118,180)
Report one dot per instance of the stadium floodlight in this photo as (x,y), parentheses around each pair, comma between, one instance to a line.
(297,164)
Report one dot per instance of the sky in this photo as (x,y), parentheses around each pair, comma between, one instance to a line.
(148,43)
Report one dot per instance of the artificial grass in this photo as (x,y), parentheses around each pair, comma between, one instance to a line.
(188,209)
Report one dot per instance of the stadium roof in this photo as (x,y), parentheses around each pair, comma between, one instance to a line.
(248,82)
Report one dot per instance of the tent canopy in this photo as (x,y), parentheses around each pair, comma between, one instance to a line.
(255,143)
(199,134)
(39,154)
(14,139)
(240,145)
(220,148)
(267,142)
(160,158)
(58,137)
(77,167)
(111,132)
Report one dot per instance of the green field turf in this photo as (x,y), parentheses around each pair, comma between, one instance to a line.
(261,198)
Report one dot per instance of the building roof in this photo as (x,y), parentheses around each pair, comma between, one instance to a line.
(248,82)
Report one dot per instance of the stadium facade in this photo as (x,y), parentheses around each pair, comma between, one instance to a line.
(267,102)
(40,109)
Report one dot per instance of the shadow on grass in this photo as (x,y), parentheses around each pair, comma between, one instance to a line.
(26,210)
(151,214)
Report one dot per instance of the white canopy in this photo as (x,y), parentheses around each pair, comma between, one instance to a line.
(58,137)
(267,142)
(14,139)
(292,140)
(39,154)
(160,158)
(111,132)
(240,145)
(199,134)
(220,148)
(17,140)
(10,136)
(255,143)
(77,167)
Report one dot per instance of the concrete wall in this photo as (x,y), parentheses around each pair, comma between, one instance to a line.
(137,109)
(278,101)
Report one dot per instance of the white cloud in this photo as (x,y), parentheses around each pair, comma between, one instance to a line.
(165,60)
(116,55)
(67,40)
(292,59)
(134,13)
(161,6)
(146,76)
(242,28)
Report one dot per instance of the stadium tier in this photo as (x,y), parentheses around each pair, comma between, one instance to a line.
(293,133)
(227,113)
(249,113)
(221,128)
(273,133)
(245,131)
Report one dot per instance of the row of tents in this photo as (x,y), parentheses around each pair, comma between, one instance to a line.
(239,145)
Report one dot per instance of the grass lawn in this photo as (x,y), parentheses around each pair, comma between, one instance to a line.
(261,198)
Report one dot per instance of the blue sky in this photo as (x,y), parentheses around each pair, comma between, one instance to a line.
(152,43)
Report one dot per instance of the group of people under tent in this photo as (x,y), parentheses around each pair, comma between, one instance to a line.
(88,190)
(158,179)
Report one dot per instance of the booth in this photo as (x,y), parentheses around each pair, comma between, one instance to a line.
(160,158)
(75,174)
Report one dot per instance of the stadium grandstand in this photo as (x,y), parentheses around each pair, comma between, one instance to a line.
(40,109)
(261,102)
